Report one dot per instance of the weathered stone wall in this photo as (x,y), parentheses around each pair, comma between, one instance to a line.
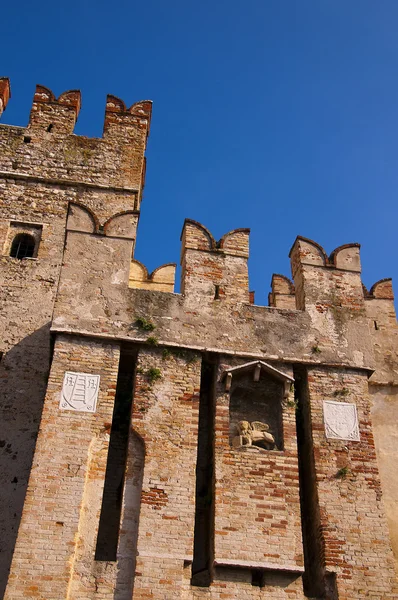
(257,504)
(232,583)
(229,323)
(214,270)
(282,293)
(178,470)
(161,279)
(61,512)
(353,524)
(383,387)
(46,174)
(165,416)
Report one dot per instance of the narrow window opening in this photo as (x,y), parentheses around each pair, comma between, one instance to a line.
(376,325)
(109,523)
(23,246)
(204,501)
(216,292)
(27,139)
(50,128)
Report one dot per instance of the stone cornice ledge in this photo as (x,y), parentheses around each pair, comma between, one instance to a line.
(66,182)
(252,564)
(216,350)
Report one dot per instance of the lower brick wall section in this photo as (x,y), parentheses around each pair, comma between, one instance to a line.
(353,524)
(165,416)
(231,584)
(67,475)
(169,579)
(257,508)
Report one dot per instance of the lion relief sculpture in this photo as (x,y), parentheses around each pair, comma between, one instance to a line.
(255,433)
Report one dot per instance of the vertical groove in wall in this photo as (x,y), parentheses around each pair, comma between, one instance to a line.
(109,524)
(204,501)
(314,576)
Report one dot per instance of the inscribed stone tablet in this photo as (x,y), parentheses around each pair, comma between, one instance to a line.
(79,392)
(341,420)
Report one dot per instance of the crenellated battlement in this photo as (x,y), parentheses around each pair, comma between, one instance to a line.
(161,279)
(382,289)
(214,270)
(48,149)
(325,281)
(189,444)
(196,236)
(116,115)
(282,293)
(54,115)
(59,115)
(308,252)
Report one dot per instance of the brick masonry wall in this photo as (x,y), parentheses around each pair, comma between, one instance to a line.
(198,320)
(165,416)
(257,503)
(282,293)
(53,181)
(42,171)
(27,294)
(383,389)
(63,500)
(115,160)
(353,524)
(214,270)
(230,583)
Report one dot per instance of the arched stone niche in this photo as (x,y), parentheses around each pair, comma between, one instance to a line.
(256,391)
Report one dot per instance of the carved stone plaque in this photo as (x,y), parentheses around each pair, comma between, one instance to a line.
(341,421)
(79,392)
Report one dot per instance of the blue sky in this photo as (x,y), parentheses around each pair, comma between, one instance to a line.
(278,115)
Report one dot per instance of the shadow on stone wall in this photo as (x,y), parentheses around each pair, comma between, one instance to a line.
(23,380)
(127,551)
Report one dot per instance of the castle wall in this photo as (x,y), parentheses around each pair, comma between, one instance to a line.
(232,583)
(46,173)
(229,323)
(165,415)
(257,504)
(282,293)
(161,492)
(63,499)
(383,388)
(353,525)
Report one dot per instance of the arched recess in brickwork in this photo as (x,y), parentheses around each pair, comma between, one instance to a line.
(256,394)
(127,548)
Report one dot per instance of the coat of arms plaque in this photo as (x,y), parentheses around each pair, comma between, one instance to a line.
(341,421)
(79,392)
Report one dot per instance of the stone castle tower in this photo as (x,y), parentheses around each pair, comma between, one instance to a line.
(158,445)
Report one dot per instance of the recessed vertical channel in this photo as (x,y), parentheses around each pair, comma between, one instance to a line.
(109,524)
(316,581)
(204,502)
